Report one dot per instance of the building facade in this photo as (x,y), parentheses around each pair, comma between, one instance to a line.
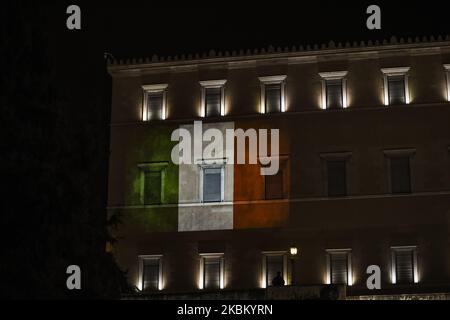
(361,136)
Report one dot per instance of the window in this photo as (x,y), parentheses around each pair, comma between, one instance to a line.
(273,94)
(152,182)
(396,89)
(213,98)
(273,98)
(274,186)
(154,106)
(336,175)
(447,74)
(334,94)
(339,266)
(334,90)
(400,174)
(274,264)
(212,102)
(213,183)
(404,265)
(211,271)
(151,272)
(152,187)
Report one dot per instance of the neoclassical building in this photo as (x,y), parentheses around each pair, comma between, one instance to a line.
(363,179)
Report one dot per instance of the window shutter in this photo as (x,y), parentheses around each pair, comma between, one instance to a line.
(155,105)
(338,265)
(273,97)
(337,184)
(400,175)
(404,266)
(213,101)
(396,86)
(150,277)
(334,94)
(274,264)
(152,187)
(274,186)
(212,185)
(212,273)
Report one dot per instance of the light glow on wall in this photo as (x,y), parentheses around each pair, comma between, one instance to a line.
(283,97)
(393,276)
(144,112)
(407,93)
(263,282)
(200,275)
(350,277)
(202,106)
(386,91)
(327,277)
(161,282)
(139,284)
(222,278)
(447,75)
(324,95)
(344,94)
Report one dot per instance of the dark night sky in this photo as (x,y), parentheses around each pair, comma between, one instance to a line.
(141,28)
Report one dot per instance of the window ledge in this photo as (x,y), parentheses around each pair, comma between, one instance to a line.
(395,71)
(399,152)
(158,166)
(336,155)
(155,87)
(272,79)
(336,75)
(212,83)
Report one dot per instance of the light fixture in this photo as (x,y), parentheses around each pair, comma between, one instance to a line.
(293,251)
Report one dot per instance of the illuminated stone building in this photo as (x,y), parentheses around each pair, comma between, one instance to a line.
(364,170)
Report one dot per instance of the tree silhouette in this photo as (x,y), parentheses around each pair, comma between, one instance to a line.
(54,159)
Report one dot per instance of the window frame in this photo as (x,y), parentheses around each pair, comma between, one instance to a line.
(141,259)
(393,72)
(335,75)
(264,81)
(283,191)
(203,257)
(393,153)
(154,88)
(149,167)
(211,84)
(395,249)
(283,163)
(264,275)
(348,252)
(335,156)
(204,167)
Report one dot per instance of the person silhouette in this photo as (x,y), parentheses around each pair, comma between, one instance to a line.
(278,281)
